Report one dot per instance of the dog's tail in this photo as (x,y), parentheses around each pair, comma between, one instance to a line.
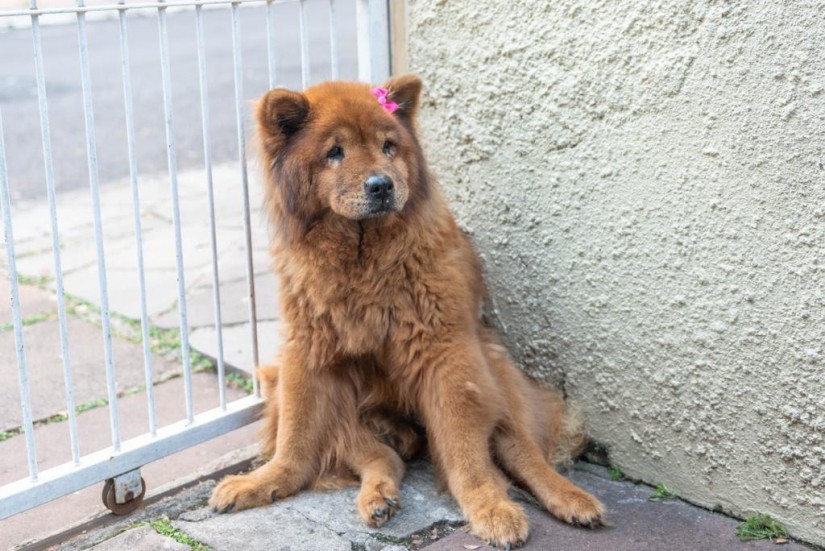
(557,425)
(567,429)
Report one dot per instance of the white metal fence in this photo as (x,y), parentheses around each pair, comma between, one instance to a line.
(121,462)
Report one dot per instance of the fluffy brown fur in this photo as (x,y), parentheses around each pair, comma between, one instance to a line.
(382,295)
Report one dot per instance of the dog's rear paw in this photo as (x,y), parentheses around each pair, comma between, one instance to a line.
(579,508)
(503,524)
(378,502)
(236,493)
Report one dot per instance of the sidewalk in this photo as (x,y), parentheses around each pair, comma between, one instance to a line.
(328,521)
(42,333)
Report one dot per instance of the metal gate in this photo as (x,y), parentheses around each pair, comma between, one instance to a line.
(121,462)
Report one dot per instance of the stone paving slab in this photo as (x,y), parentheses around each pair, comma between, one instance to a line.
(638,524)
(291,531)
(93,428)
(234,303)
(237,345)
(77,238)
(124,290)
(45,368)
(329,518)
(143,538)
(33,301)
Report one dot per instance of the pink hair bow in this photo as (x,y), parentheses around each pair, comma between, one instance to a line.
(381,95)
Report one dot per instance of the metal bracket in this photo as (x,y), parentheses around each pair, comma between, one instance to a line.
(128,486)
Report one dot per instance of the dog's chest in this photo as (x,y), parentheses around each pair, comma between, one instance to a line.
(362,309)
(352,307)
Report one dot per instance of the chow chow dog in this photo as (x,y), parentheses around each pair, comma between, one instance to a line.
(384,345)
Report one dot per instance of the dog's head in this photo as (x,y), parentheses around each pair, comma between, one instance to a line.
(338,148)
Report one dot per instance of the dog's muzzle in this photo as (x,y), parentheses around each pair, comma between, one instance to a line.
(380,192)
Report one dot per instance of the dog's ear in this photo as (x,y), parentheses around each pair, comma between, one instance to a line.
(281,113)
(405,91)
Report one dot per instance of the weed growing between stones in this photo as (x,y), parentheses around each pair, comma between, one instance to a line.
(761,527)
(661,492)
(163,526)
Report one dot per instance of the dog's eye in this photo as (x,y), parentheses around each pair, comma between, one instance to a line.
(336,153)
(389,148)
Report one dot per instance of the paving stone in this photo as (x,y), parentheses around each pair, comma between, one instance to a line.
(33,301)
(52,443)
(141,539)
(638,524)
(73,256)
(289,531)
(124,289)
(160,252)
(326,514)
(45,368)
(93,427)
(170,507)
(237,343)
(234,303)
(422,506)
(77,248)
(233,257)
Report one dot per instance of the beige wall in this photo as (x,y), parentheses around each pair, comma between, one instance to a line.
(644,180)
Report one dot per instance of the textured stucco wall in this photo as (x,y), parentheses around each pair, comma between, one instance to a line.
(645,182)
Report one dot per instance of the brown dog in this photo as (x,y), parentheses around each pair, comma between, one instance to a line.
(382,294)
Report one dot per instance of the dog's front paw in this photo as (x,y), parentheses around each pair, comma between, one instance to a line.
(239,492)
(378,501)
(579,508)
(503,524)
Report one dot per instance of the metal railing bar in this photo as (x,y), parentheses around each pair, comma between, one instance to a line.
(239,114)
(19,345)
(45,135)
(94,185)
(333,41)
(207,160)
(134,453)
(136,6)
(304,45)
(270,44)
(133,176)
(166,80)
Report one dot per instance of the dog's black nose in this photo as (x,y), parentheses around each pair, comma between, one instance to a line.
(378,186)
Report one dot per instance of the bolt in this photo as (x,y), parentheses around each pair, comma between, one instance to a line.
(130,495)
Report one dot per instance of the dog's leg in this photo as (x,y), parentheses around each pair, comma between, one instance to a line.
(461,408)
(381,470)
(304,420)
(535,415)
(523,459)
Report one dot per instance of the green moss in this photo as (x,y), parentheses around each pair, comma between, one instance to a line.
(761,527)
(163,526)
(5,435)
(37,281)
(616,474)
(239,381)
(661,492)
(200,363)
(91,405)
(31,320)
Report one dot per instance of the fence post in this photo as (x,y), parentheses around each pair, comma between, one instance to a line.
(399,64)
(373,40)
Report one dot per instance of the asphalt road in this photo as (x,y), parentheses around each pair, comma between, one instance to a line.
(18,94)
